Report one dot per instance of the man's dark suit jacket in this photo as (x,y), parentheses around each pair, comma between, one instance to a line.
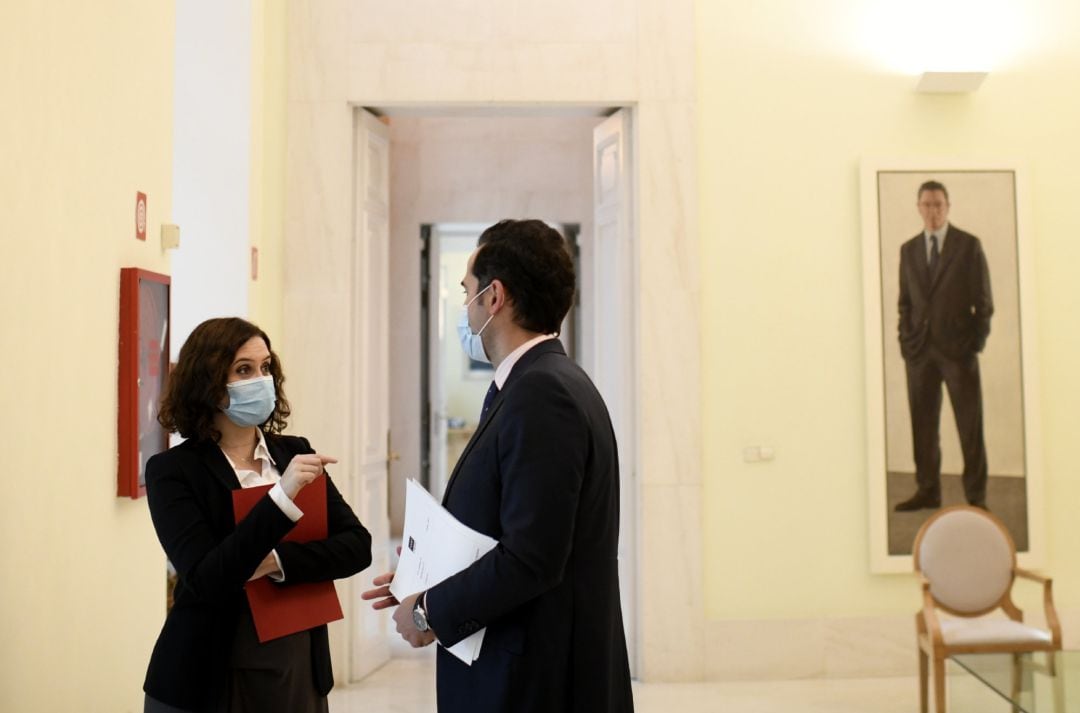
(541,476)
(189,489)
(951,309)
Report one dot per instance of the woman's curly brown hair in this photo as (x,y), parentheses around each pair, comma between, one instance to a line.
(196,386)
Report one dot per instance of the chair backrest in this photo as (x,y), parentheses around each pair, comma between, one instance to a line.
(968,557)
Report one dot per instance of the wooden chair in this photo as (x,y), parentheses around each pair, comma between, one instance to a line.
(966,562)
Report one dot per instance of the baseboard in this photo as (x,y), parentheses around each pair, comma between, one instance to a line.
(809,648)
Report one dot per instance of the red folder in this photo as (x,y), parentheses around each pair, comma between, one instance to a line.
(283,609)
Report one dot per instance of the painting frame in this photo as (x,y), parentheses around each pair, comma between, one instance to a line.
(879,178)
(143,367)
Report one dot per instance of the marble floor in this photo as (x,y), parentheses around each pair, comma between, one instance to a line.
(406,685)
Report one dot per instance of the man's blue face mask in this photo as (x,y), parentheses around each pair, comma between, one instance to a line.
(471,343)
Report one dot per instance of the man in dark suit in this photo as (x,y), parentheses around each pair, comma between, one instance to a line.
(541,476)
(945,310)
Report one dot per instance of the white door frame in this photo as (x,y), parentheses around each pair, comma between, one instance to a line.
(629,451)
(613,359)
(367,443)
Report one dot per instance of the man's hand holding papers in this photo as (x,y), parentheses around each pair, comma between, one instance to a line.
(436,546)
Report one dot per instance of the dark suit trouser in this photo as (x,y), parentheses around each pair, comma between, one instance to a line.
(925,374)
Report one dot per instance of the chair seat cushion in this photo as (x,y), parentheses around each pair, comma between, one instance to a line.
(967,632)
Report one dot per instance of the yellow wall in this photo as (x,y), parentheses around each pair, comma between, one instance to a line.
(268,85)
(87,122)
(791,94)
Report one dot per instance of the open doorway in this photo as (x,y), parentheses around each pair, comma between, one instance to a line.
(452,384)
(449,167)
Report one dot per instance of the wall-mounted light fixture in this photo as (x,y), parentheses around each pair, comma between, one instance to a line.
(950,82)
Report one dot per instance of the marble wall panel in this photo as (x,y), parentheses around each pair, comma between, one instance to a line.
(445,72)
(430,72)
(667,192)
(318,210)
(667,50)
(316,265)
(316,345)
(870,647)
(317,46)
(670,455)
(671,636)
(555,21)
(345,52)
(752,650)
(669,295)
(590,72)
(380,22)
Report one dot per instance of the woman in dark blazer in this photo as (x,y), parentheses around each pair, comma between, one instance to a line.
(225,397)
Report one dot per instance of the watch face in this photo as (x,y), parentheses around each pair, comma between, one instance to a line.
(419,619)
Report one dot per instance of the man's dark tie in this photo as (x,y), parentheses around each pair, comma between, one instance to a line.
(488,398)
(933,254)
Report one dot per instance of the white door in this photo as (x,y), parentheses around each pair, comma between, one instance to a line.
(438,295)
(613,344)
(369,416)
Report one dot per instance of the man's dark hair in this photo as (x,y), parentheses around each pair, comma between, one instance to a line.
(531,260)
(932,186)
(196,387)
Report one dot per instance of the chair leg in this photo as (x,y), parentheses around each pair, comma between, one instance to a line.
(924,671)
(1017,677)
(939,683)
(1058,678)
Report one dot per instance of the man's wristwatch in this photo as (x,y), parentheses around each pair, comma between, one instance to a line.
(419,615)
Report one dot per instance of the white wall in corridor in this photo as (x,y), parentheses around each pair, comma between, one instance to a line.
(211,163)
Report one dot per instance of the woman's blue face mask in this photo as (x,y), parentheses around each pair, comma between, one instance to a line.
(251,401)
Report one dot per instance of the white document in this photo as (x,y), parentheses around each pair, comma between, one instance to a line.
(435,546)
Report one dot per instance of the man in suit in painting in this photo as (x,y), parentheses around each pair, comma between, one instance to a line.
(945,309)
(541,476)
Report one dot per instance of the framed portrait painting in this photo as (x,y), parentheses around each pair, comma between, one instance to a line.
(951,388)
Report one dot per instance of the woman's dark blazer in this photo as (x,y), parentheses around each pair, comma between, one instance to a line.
(189,491)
